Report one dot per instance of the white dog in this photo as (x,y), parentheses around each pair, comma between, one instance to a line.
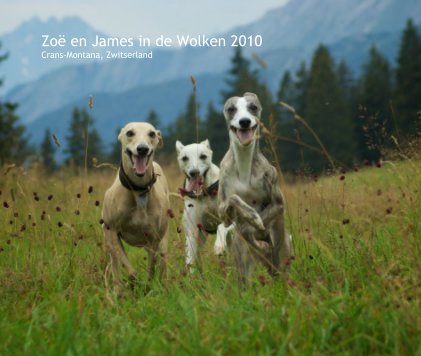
(200,192)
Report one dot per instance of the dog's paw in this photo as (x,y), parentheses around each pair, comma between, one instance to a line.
(257,222)
(219,250)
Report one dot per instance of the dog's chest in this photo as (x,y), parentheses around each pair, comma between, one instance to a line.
(253,192)
(134,227)
(204,211)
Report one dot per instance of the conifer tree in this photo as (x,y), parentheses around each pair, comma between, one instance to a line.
(408,80)
(214,130)
(153,119)
(327,113)
(186,126)
(301,79)
(286,91)
(346,81)
(47,151)
(13,144)
(115,154)
(373,123)
(241,77)
(288,152)
(82,132)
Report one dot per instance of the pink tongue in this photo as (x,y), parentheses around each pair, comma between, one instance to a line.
(245,136)
(194,184)
(140,164)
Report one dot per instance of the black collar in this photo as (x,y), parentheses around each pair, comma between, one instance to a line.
(128,184)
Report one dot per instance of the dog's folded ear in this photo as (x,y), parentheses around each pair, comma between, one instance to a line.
(255,99)
(179,146)
(160,139)
(120,135)
(251,94)
(206,143)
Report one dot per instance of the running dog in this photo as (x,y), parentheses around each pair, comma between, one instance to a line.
(249,193)
(200,192)
(136,206)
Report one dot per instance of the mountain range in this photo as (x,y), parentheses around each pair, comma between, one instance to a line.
(127,89)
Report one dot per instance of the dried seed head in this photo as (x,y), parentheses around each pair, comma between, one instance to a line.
(56,141)
(262,280)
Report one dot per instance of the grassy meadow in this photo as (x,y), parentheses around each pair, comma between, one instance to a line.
(354,285)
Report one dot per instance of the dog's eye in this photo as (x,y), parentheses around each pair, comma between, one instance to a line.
(185,158)
(253,107)
(130,133)
(231,110)
(203,157)
(152,134)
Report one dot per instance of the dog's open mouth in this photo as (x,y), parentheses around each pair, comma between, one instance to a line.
(245,136)
(194,184)
(140,163)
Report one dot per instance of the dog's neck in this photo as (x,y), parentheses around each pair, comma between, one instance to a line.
(138,181)
(243,156)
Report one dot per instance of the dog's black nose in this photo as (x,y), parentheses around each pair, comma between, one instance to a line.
(194,173)
(142,150)
(245,123)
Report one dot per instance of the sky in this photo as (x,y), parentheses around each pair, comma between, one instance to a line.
(155,17)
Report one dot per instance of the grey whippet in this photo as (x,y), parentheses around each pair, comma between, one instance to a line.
(249,193)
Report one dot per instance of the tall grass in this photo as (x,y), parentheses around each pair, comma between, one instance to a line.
(353,287)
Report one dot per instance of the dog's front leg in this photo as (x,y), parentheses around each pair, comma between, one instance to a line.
(233,205)
(163,251)
(153,252)
(115,250)
(221,239)
(195,239)
(246,213)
